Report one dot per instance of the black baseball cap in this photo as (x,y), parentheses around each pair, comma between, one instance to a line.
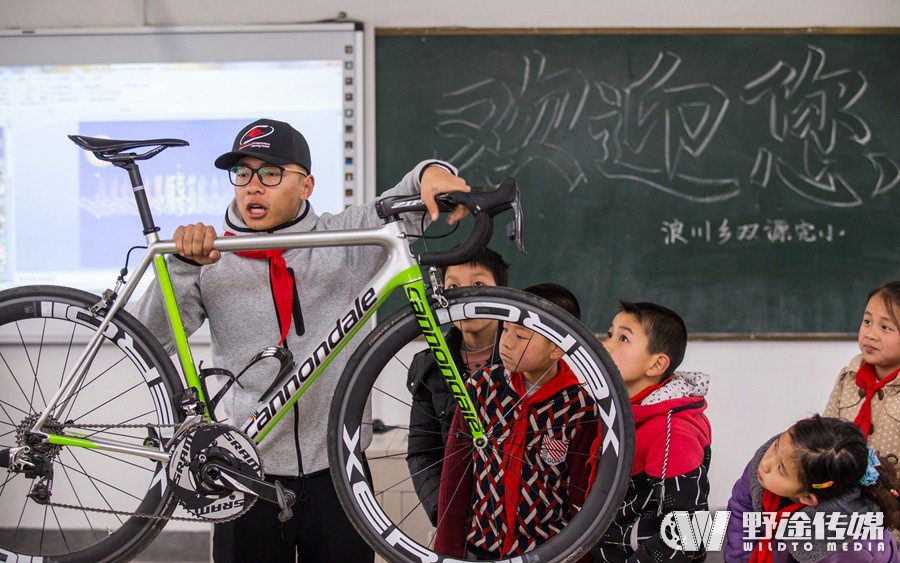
(273,141)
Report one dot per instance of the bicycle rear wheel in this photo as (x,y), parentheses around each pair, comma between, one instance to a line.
(388,512)
(43,330)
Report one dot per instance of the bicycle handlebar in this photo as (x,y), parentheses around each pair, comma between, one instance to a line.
(483,205)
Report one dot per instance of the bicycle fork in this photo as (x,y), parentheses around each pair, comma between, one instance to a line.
(415,293)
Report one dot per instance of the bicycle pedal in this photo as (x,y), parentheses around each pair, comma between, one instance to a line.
(286,499)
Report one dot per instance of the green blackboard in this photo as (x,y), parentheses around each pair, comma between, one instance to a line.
(749,181)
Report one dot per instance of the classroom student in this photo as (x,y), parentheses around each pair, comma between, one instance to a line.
(473,344)
(672,452)
(256,300)
(535,398)
(844,495)
(867,391)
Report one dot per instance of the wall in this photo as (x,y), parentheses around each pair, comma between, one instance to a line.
(759,387)
(468,13)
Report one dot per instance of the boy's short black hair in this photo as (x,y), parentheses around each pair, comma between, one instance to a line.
(557,294)
(666,332)
(492,261)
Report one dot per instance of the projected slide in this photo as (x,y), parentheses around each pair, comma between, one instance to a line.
(181,184)
(2,206)
(67,218)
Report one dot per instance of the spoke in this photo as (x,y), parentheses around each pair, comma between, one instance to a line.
(466,470)
(9,477)
(94,484)
(437,463)
(414,407)
(93,479)
(43,531)
(394,486)
(19,523)
(62,533)
(392,396)
(4,404)
(125,461)
(408,514)
(405,365)
(101,405)
(19,385)
(71,406)
(65,369)
(37,364)
(87,517)
(34,372)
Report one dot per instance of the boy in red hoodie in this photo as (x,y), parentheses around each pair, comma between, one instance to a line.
(672,435)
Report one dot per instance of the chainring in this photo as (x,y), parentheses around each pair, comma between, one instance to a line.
(199,445)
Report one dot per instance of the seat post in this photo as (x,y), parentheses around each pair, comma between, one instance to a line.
(140,196)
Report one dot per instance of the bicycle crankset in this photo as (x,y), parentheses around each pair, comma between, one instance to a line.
(202,461)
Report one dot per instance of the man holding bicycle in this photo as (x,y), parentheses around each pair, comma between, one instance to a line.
(254,300)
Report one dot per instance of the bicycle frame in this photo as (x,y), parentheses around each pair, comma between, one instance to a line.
(399,270)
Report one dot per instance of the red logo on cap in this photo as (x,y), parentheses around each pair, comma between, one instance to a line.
(255,134)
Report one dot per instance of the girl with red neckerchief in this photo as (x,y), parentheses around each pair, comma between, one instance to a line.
(867,392)
(816,492)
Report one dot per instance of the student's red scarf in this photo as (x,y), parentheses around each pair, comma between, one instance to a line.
(513,449)
(868,382)
(763,551)
(282,284)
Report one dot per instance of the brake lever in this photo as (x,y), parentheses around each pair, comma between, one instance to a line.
(514,228)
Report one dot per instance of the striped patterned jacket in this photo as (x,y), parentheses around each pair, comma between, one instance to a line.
(530,478)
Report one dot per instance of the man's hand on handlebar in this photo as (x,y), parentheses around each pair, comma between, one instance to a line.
(195,242)
(436,181)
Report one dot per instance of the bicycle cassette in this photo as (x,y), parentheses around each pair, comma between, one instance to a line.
(199,446)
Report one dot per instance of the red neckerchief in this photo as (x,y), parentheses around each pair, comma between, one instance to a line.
(868,382)
(763,551)
(514,446)
(282,284)
(636,400)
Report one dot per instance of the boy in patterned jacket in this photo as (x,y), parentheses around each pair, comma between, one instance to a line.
(672,435)
(532,482)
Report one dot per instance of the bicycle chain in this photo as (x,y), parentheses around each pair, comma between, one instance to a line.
(123,512)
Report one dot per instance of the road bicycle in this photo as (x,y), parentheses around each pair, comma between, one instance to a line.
(102,437)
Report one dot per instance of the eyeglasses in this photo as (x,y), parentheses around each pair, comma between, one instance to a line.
(269,175)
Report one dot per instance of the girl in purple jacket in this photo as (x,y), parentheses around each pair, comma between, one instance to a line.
(816,492)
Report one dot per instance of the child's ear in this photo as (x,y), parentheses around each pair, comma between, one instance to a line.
(659,366)
(809,499)
(556,353)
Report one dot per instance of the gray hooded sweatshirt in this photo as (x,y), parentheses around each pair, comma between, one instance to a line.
(234,295)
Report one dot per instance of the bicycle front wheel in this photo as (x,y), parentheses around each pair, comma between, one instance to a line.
(386,509)
(75,506)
